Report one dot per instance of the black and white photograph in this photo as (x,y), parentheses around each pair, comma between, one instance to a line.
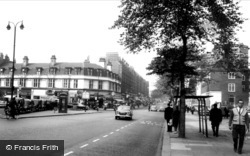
(124,77)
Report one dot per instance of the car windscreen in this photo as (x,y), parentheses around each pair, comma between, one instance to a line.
(124,108)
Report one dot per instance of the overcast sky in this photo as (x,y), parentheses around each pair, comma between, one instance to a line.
(73,30)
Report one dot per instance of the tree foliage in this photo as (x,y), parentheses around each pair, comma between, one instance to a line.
(178,31)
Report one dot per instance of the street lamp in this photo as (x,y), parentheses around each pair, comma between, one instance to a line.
(14,46)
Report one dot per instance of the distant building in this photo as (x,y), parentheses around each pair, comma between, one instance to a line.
(132,83)
(36,79)
(227,87)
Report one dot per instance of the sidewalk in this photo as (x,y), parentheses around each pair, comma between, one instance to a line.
(50,113)
(196,144)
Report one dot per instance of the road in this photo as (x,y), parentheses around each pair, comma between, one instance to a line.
(93,134)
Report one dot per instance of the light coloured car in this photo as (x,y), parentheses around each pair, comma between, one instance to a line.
(161,109)
(3,103)
(124,111)
(153,108)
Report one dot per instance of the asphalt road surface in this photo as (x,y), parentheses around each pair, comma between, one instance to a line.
(97,134)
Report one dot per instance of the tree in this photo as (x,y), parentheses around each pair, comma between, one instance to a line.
(179,30)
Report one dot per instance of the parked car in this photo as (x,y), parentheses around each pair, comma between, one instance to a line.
(3,102)
(80,105)
(153,108)
(124,111)
(161,109)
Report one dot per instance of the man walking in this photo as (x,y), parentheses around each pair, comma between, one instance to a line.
(168,114)
(239,121)
(215,118)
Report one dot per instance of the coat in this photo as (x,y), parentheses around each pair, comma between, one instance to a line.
(215,116)
(168,113)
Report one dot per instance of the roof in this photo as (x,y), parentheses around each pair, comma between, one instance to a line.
(57,65)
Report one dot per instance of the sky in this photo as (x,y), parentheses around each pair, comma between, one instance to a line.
(74,30)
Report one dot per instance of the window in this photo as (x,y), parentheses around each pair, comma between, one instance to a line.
(231,87)
(36,83)
(90,72)
(22,82)
(7,82)
(78,71)
(24,71)
(75,83)
(38,72)
(68,71)
(231,75)
(66,83)
(100,85)
(99,72)
(243,78)
(52,71)
(110,85)
(51,83)
(10,72)
(91,83)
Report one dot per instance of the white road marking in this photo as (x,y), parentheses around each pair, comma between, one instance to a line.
(96,140)
(68,153)
(84,145)
(117,129)
(105,136)
(111,132)
(122,127)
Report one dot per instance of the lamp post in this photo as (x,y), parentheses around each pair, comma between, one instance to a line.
(14,46)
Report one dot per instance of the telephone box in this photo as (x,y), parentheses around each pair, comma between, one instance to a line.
(63,102)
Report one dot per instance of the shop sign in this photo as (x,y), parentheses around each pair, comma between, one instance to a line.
(85,95)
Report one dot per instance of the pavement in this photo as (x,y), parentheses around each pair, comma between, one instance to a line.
(196,143)
(50,113)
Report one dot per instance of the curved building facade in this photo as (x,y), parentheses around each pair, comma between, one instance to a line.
(35,80)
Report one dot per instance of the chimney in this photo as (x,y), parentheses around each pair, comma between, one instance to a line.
(25,61)
(109,66)
(53,60)
(103,60)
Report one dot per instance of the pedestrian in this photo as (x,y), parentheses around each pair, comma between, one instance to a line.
(176,118)
(238,122)
(13,106)
(168,114)
(55,105)
(192,109)
(215,118)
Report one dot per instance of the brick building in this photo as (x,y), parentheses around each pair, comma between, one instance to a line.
(227,87)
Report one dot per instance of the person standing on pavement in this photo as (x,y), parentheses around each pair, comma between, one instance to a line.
(238,122)
(168,115)
(176,118)
(215,118)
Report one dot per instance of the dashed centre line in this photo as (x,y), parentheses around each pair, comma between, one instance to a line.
(84,145)
(96,140)
(68,153)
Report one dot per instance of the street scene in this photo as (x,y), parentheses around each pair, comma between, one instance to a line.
(125,78)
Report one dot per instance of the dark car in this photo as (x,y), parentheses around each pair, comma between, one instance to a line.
(124,111)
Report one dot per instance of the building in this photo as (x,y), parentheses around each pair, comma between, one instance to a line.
(227,87)
(37,80)
(132,84)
